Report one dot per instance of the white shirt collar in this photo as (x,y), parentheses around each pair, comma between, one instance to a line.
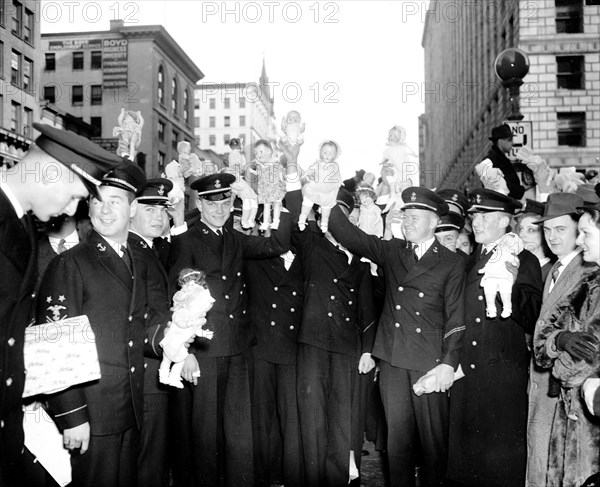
(70,240)
(115,246)
(423,247)
(11,196)
(566,260)
(214,229)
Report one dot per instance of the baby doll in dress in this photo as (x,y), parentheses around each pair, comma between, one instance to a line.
(241,188)
(271,183)
(323,182)
(491,177)
(369,219)
(191,165)
(399,166)
(497,278)
(129,132)
(190,305)
(293,127)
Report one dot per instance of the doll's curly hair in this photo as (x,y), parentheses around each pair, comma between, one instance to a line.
(188,275)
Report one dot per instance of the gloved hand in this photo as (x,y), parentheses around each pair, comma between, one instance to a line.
(580,345)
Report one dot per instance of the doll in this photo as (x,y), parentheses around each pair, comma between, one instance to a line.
(191,165)
(567,180)
(322,186)
(129,132)
(241,188)
(398,166)
(369,219)
(190,305)
(497,278)
(174,174)
(542,173)
(293,127)
(271,183)
(491,177)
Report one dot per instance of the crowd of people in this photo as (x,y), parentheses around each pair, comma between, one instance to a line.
(469,319)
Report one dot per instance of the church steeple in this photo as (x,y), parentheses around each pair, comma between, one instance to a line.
(264,85)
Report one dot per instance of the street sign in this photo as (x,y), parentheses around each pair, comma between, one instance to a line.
(522,137)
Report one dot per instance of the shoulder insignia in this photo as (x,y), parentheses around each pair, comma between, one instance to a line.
(55,310)
(101,247)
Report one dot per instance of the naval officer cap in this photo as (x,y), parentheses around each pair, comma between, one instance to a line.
(127,176)
(457,201)
(450,221)
(214,187)
(156,192)
(419,198)
(86,159)
(485,200)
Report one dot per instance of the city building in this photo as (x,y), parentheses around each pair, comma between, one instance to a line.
(464,99)
(93,75)
(227,110)
(20,60)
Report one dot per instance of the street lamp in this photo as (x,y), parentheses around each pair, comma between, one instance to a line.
(511,66)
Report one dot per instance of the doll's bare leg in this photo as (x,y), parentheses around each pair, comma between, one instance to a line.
(490,299)
(175,375)
(391,180)
(266,217)
(506,297)
(276,215)
(246,209)
(163,370)
(305,210)
(325,219)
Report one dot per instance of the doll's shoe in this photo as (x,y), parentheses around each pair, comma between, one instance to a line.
(506,313)
(324,228)
(176,382)
(163,376)
(301,226)
(491,313)
(275,225)
(264,226)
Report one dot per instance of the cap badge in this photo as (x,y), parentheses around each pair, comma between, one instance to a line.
(478,198)
(161,190)
(217,183)
(101,247)
(454,197)
(413,197)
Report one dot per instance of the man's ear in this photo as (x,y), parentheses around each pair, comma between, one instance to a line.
(133,208)
(434,221)
(199,205)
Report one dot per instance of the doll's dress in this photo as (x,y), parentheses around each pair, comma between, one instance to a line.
(271,182)
(324,183)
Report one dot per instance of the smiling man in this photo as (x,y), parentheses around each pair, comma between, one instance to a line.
(100,278)
(58,171)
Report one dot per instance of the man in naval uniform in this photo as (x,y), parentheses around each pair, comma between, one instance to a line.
(146,225)
(215,413)
(420,331)
(488,410)
(57,172)
(100,278)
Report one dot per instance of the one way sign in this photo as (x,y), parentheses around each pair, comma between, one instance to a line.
(522,137)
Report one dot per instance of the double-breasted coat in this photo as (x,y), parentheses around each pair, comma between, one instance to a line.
(488,407)
(18,266)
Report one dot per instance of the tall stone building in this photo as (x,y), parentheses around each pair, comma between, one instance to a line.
(464,99)
(241,110)
(20,60)
(93,75)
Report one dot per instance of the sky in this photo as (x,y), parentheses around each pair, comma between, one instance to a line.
(352,68)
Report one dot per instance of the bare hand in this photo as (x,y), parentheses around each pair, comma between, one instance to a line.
(191,369)
(289,151)
(177,213)
(77,437)
(512,268)
(444,377)
(365,364)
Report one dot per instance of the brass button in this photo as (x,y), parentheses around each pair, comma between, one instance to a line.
(397,325)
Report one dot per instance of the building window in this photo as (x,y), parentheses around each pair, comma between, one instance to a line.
(15,117)
(186,106)
(28,122)
(174,95)
(96,95)
(226,103)
(77,95)
(212,140)
(197,122)
(569,16)
(17,18)
(174,139)
(28,27)
(161,85)
(96,62)
(161,161)
(226,139)
(15,68)
(77,60)
(27,74)
(50,94)
(242,120)
(242,103)
(227,121)
(96,123)
(1,57)
(161,131)
(212,122)
(571,129)
(211,103)
(50,61)
(569,72)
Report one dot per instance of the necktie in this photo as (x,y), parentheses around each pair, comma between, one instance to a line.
(414,252)
(556,271)
(127,258)
(61,246)
(219,233)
